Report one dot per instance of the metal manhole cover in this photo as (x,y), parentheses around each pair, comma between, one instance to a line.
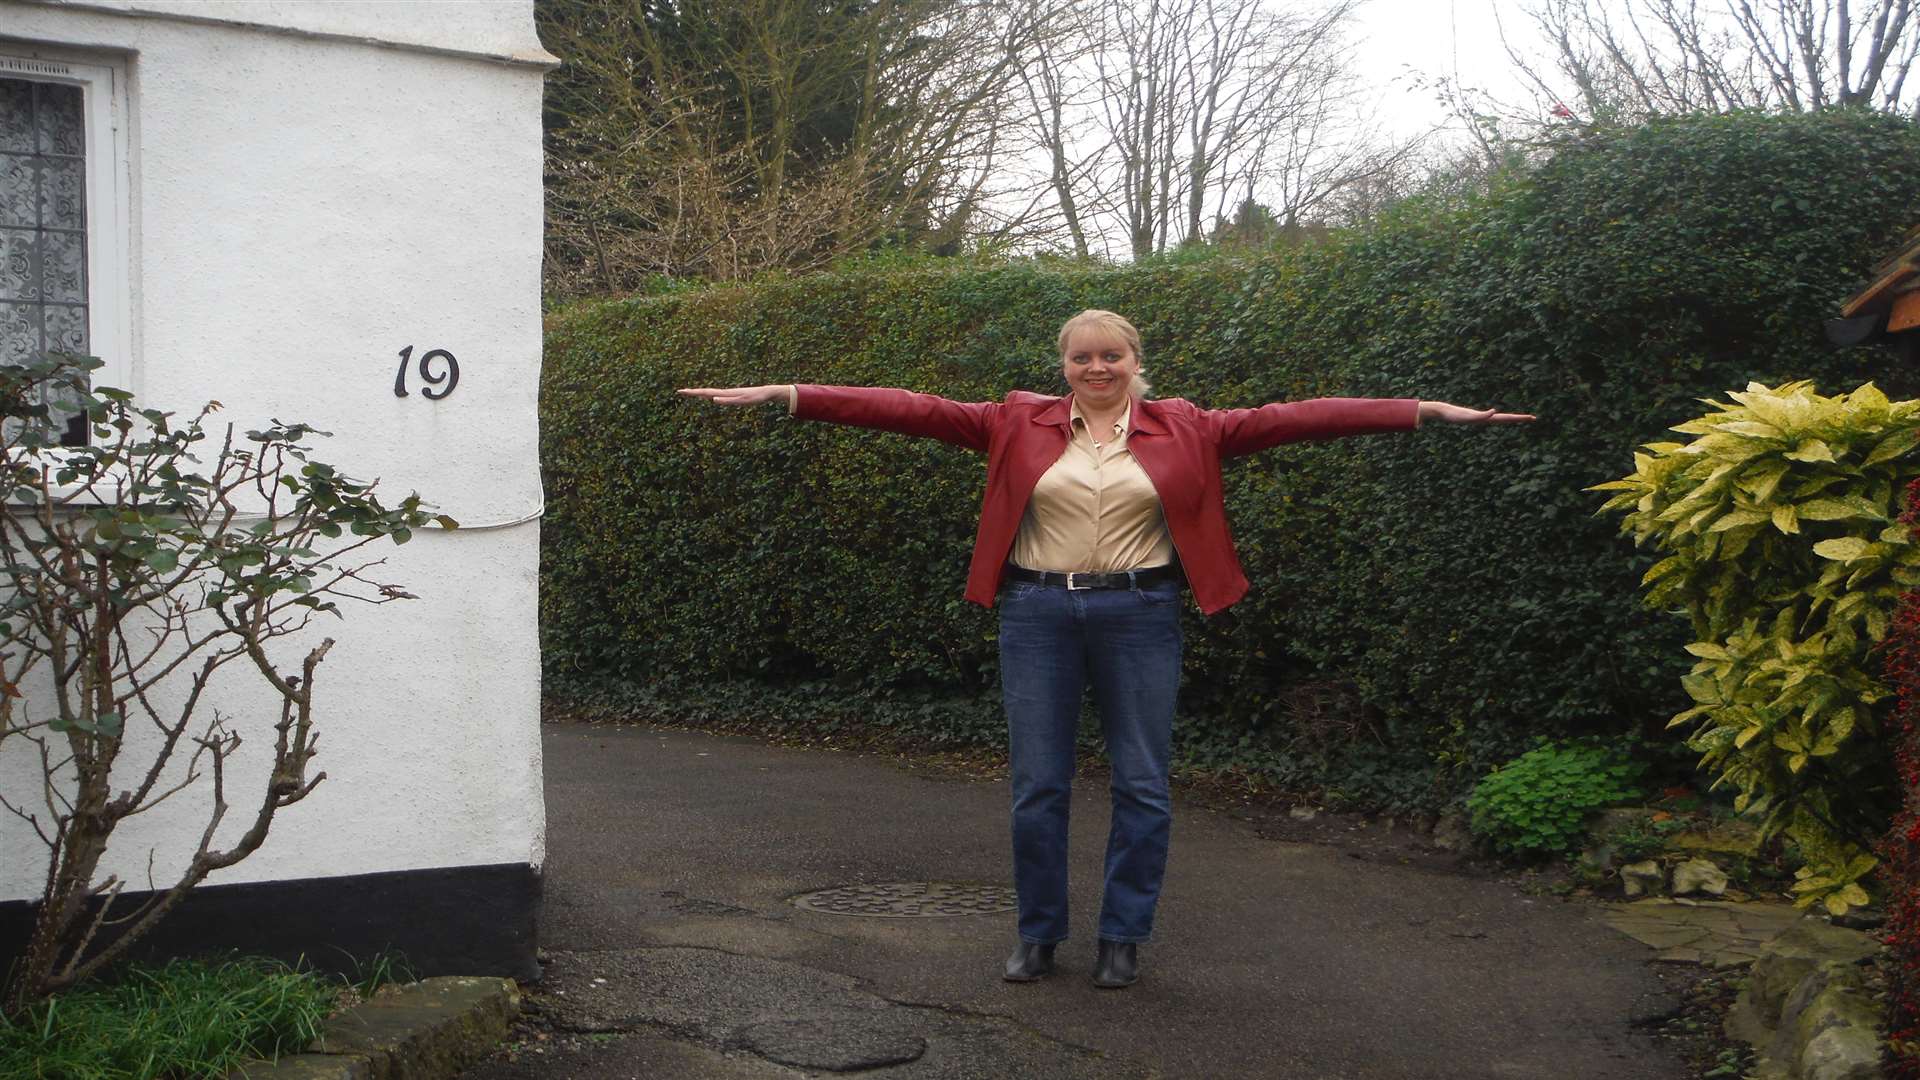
(909,899)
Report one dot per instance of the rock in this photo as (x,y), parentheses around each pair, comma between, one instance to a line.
(1643,877)
(1303,813)
(1772,979)
(1450,832)
(1821,984)
(1842,1053)
(1699,876)
(1806,1008)
(1861,918)
(1787,970)
(1747,1021)
(1598,857)
(1835,1035)
(1724,838)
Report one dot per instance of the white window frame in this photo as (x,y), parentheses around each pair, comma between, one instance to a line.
(103,87)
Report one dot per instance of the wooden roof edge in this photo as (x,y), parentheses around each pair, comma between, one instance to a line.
(1908,249)
(1884,284)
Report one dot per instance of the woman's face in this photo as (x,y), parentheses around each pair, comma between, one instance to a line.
(1099,366)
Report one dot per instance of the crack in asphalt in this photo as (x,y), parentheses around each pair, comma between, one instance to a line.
(732,1040)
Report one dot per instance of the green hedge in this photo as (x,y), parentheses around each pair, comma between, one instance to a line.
(1423,605)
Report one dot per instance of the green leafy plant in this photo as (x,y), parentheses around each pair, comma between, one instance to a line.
(1641,837)
(131,573)
(1778,522)
(1539,803)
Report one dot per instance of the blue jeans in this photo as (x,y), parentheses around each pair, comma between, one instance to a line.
(1054,644)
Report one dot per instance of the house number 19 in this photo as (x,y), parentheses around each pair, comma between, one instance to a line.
(438,386)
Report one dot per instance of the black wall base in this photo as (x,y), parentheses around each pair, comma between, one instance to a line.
(459,920)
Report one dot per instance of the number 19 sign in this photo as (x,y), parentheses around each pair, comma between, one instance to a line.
(437,385)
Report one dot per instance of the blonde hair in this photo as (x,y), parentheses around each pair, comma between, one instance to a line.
(1097,319)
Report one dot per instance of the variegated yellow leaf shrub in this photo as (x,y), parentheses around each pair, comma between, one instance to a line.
(1778,521)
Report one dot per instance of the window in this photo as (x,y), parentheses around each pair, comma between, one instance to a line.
(63,218)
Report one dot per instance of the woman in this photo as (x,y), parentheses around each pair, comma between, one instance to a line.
(1099,505)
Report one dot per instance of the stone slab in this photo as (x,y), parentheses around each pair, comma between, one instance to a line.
(306,1067)
(1713,932)
(427,1030)
(626,1056)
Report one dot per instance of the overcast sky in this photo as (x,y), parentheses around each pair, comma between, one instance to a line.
(1435,38)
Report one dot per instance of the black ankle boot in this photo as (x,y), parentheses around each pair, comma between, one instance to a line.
(1117,965)
(1029,962)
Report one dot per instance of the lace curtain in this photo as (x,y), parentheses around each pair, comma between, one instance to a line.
(43,265)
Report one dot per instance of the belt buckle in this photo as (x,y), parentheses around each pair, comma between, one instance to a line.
(1071,587)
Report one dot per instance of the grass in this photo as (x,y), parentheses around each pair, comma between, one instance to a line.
(184,1018)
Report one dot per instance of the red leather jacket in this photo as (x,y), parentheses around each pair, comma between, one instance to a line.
(1177,444)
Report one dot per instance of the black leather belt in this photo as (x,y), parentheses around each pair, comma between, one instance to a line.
(1122,579)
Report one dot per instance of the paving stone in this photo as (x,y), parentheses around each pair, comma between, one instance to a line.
(624,1057)
(431,1028)
(306,1067)
(1711,932)
(1816,939)
(1671,937)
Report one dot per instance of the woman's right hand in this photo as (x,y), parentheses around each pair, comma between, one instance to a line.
(741,395)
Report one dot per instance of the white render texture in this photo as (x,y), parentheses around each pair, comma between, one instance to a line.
(303,206)
(495,28)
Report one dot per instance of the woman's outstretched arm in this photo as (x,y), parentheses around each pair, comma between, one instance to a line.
(926,416)
(1248,431)
(1458,414)
(742,395)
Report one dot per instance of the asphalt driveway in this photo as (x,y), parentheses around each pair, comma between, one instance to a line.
(674,942)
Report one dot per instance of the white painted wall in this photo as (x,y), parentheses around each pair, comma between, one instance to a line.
(305,202)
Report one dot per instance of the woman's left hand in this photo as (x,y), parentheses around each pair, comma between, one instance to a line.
(1456,414)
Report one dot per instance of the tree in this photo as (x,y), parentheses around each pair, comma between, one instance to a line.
(129,579)
(1628,58)
(1186,111)
(718,140)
